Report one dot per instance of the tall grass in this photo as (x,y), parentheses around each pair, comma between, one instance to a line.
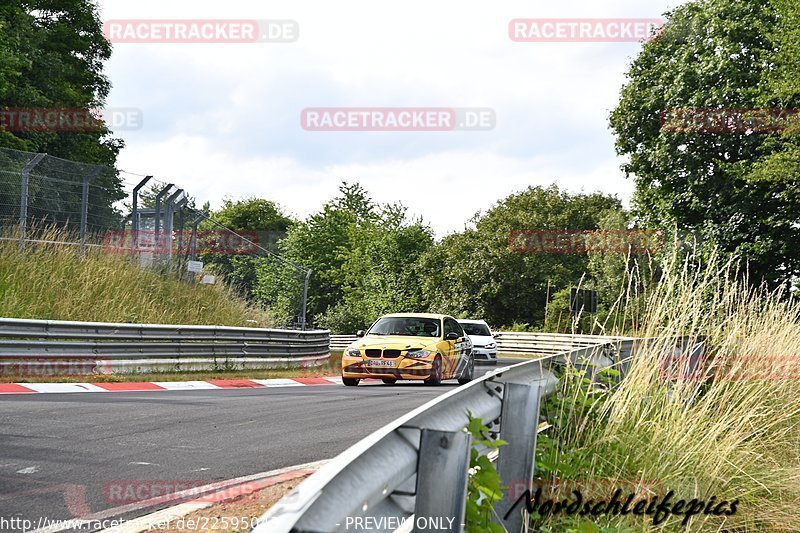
(729,428)
(58,282)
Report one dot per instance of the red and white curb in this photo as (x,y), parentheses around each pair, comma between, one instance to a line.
(148,386)
(212,494)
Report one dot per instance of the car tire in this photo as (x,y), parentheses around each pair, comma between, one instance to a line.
(350,382)
(389,381)
(436,371)
(469,372)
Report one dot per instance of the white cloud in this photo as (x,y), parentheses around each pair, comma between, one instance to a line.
(223,119)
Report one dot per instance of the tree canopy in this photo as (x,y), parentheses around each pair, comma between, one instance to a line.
(735,187)
(51,57)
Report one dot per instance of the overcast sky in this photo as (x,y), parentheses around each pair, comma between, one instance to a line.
(223,120)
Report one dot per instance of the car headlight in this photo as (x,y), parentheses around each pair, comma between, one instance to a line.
(419,354)
(491,345)
(352,352)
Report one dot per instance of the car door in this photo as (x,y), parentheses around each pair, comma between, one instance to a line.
(454,347)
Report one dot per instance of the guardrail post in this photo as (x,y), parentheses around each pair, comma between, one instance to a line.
(515,463)
(442,475)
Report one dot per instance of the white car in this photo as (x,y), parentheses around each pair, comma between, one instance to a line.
(484,346)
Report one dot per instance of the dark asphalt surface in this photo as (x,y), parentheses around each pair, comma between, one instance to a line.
(59,451)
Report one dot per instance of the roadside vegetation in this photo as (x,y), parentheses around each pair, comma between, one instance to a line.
(728,427)
(58,282)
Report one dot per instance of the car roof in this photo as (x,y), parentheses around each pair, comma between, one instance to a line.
(471,321)
(417,315)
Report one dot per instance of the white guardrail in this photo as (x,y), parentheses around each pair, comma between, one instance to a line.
(516,342)
(417,466)
(114,347)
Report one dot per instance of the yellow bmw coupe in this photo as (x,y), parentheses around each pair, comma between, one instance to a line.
(415,346)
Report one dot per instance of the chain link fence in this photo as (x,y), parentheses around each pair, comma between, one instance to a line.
(154,222)
(39,191)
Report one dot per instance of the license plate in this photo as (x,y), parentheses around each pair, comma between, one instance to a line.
(380,363)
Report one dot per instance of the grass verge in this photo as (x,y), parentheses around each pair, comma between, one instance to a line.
(726,430)
(58,282)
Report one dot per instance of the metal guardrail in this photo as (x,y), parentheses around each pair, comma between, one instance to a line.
(512,342)
(519,342)
(157,346)
(417,465)
(340,342)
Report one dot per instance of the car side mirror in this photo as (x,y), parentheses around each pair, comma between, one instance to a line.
(497,335)
(452,336)
(360,333)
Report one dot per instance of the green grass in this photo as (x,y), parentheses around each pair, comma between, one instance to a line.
(57,282)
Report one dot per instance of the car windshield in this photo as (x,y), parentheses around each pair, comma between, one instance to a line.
(408,326)
(481,330)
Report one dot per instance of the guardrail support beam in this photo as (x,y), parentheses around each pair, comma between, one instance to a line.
(515,463)
(442,476)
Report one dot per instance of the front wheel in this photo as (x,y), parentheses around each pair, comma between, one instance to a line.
(469,372)
(436,372)
(350,382)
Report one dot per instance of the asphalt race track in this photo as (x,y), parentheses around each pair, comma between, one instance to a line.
(60,454)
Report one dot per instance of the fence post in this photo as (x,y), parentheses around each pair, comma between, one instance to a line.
(193,244)
(85,204)
(161,193)
(168,223)
(442,476)
(23,197)
(518,424)
(135,213)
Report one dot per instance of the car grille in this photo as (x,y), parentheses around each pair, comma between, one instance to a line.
(374,352)
(479,346)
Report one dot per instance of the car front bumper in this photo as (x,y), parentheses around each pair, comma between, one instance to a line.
(405,368)
(485,354)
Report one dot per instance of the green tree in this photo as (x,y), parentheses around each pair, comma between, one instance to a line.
(362,255)
(51,57)
(477,274)
(258,220)
(737,189)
